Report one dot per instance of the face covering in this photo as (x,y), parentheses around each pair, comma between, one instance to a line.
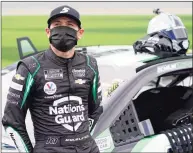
(63,38)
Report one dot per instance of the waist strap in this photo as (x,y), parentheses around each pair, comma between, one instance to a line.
(58,140)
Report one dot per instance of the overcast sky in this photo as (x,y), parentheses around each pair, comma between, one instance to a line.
(44,8)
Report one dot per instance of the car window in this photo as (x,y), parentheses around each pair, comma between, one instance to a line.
(186,82)
(162,97)
(168,80)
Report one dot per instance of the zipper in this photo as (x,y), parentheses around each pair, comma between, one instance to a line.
(69,99)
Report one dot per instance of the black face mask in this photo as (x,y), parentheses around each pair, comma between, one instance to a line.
(63,38)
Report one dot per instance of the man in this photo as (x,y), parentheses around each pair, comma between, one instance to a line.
(60,87)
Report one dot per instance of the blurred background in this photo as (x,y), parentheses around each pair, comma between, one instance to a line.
(105,23)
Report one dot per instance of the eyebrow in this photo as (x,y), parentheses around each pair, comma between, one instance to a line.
(67,21)
(58,21)
(70,21)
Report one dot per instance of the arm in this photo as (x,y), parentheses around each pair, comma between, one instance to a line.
(16,109)
(95,96)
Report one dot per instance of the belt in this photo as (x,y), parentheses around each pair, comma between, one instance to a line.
(67,140)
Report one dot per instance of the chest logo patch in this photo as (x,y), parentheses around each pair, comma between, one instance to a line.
(79,72)
(50,88)
(80,81)
(51,74)
(66,114)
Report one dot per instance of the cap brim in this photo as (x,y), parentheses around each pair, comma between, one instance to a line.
(67,15)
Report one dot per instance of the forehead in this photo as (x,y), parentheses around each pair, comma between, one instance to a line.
(63,19)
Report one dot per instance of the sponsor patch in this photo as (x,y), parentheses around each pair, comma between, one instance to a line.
(51,74)
(12,102)
(65,10)
(13,135)
(79,72)
(18,77)
(77,139)
(32,65)
(103,143)
(165,68)
(52,140)
(14,95)
(53,97)
(16,86)
(80,81)
(13,138)
(62,115)
(50,88)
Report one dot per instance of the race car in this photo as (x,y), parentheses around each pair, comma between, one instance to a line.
(149,107)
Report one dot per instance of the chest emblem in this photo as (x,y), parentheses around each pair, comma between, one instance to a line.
(79,72)
(80,81)
(51,74)
(50,88)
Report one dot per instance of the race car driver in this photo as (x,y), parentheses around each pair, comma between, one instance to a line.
(60,87)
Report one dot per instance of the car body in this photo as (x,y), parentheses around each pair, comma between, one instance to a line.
(137,72)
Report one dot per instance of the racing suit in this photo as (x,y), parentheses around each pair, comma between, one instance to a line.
(61,95)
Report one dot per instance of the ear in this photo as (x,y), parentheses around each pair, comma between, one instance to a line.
(80,33)
(47,32)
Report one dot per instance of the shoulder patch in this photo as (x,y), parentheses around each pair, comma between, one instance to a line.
(31,63)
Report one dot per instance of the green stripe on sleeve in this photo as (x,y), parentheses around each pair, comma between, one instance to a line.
(94,87)
(29,82)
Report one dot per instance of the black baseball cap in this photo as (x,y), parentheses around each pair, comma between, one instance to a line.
(65,10)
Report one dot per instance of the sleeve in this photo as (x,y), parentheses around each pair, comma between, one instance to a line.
(95,97)
(16,108)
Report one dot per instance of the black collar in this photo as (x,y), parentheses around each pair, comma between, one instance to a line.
(58,60)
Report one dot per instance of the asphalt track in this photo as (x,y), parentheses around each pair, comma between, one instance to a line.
(96,8)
